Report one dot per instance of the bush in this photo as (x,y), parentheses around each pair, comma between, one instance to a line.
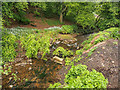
(79,77)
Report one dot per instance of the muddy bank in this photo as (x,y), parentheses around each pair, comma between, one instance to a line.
(104,59)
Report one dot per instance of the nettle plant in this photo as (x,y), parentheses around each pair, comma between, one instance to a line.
(61,52)
(8,46)
(79,77)
(32,45)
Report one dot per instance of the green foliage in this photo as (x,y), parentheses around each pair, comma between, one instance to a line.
(8,46)
(14,10)
(60,51)
(82,13)
(41,5)
(108,15)
(68,28)
(87,46)
(103,35)
(100,39)
(56,85)
(79,52)
(37,13)
(115,34)
(67,61)
(20,17)
(116,43)
(78,59)
(33,45)
(91,51)
(79,77)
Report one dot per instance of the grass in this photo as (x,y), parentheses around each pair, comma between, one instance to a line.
(53,22)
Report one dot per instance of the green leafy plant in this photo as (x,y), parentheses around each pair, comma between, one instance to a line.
(37,13)
(33,45)
(91,51)
(68,28)
(87,46)
(79,77)
(60,51)
(100,39)
(67,61)
(79,52)
(8,46)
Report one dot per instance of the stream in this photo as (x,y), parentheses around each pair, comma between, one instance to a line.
(36,73)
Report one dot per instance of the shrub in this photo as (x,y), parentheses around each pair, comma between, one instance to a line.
(79,77)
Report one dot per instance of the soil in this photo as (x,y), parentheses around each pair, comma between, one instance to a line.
(104,59)
(37,23)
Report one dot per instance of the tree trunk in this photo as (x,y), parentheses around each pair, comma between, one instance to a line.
(61,14)
(61,17)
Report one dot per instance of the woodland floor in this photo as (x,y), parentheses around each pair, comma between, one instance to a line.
(40,23)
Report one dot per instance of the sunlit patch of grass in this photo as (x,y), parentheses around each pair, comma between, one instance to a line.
(53,22)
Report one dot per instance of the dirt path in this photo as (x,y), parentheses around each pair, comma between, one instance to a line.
(39,23)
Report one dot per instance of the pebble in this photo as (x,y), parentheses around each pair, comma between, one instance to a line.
(103,47)
(30,68)
(57,42)
(90,59)
(102,64)
(11,86)
(112,61)
(29,60)
(10,78)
